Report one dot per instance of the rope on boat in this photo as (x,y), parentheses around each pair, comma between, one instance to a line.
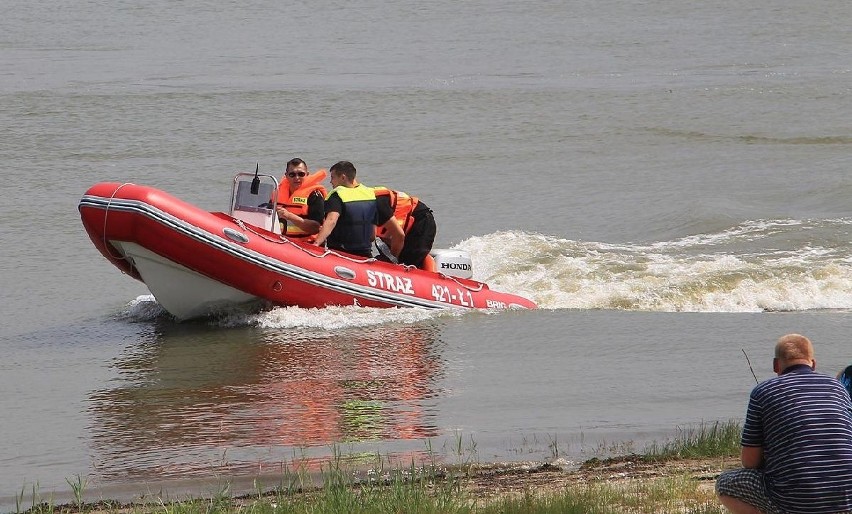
(474,289)
(284,240)
(106,215)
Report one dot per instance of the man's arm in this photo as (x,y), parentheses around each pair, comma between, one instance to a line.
(309,226)
(395,235)
(752,457)
(331,218)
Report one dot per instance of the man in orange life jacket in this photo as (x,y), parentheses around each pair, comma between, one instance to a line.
(350,213)
(301,200)
(413,217)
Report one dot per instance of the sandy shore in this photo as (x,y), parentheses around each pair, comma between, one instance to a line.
(493,481)
(496,480)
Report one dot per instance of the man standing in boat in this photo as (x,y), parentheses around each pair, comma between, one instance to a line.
(350,213)
(301,199)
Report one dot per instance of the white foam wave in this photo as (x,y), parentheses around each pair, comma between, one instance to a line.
(333,318)
(146,308)
(671,276)
(143,308)
(747,231)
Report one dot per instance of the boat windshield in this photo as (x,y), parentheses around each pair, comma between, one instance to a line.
(261,202)
(255,208)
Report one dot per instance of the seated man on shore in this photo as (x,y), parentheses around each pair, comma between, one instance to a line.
(796,442)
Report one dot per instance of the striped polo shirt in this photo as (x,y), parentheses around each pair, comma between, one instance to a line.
(803,421)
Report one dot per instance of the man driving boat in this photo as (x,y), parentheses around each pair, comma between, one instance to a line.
(301,199)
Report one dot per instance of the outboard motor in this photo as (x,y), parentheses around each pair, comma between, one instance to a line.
(455,263)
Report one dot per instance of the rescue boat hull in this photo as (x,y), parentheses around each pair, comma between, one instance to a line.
(197,263)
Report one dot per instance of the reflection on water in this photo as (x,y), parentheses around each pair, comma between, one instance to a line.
(193,399)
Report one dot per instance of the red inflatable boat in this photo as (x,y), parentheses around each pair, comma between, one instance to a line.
(197,263)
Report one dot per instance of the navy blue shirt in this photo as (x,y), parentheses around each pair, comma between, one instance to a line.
(803,422)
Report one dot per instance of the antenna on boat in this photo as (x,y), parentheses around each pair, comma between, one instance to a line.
(255,182)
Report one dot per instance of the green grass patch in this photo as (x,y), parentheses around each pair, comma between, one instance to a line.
(720,439)
(344,487)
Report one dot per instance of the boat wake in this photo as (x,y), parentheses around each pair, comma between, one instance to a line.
(764,265)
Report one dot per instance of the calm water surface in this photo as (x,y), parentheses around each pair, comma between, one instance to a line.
(670,183)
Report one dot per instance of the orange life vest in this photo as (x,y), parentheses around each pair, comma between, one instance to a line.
(402,204)
(297,203)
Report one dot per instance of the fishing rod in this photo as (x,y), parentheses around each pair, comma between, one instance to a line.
(749,366)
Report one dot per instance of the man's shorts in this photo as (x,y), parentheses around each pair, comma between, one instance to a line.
(746,485)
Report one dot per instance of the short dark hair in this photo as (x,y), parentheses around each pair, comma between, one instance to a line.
(344,168)
(292,163)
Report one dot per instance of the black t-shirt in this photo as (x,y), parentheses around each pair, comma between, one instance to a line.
(316,207)
(333,204)
(384,211)
(420,209)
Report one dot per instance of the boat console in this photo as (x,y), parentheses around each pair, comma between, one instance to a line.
(253,199)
